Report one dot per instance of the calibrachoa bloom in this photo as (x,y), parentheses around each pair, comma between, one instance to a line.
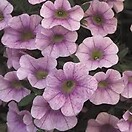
(56,42)
(116,4)
(11,88)
(22,31)
(5,13)
(127,77)
(104,122)
(19,120)
(125,124)
(14,56)
(61,13)
(36,70)
(35,1)
(110,86)
(69,88)
(49,119)
(99,19)
(97,52)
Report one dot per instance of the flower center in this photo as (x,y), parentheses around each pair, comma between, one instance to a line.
(68,86)
(27,35)
(16,84)
(97,19)
(1,16)
(41,74)
(57,38)
(96,54)
(103,84)
(61,14)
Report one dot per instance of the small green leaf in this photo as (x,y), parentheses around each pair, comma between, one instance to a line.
(85,6)
(3,128)
(123,53)
(72,2)
(27,100)
(75,59)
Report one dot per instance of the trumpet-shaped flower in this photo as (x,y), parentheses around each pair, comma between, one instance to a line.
(14,56)
(127,78)
(69,88)
(125,124)
(104,122)
(36,70)
(11,88)
(48,119)
(97,52)
(21,32)
(56,42)
(61,13)
(5,13)
(110,86)
(116,4)
(99,19)
(19,120)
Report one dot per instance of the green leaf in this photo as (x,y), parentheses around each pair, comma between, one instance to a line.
(3,128)
(123,53)
(85,6)
(27,100)
(72,2)
(75,59)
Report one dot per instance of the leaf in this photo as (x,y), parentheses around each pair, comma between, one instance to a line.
(75,59)
(26,100)
(3,128)
(123,53)
(126,66)
(85,6)
(72,2)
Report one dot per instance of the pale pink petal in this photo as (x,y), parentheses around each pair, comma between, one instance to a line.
(72,106)
(62,4)
(47,9)
(76,13)
(36,1)
(39,108)
(93,126)
(57,101)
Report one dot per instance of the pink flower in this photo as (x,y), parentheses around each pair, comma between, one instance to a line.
(5,13)
(110,86)
(49,119)
(61,13)
(97,52)
(56,42)
(103,123)
(99,19)
(125,124)
(69,88)
(14,56)
(11,88)
(36,70)
(19,120)
(33,2)
(127,77)
(116,4)
(22,32)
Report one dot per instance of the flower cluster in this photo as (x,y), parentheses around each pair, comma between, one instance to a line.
(51,76)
